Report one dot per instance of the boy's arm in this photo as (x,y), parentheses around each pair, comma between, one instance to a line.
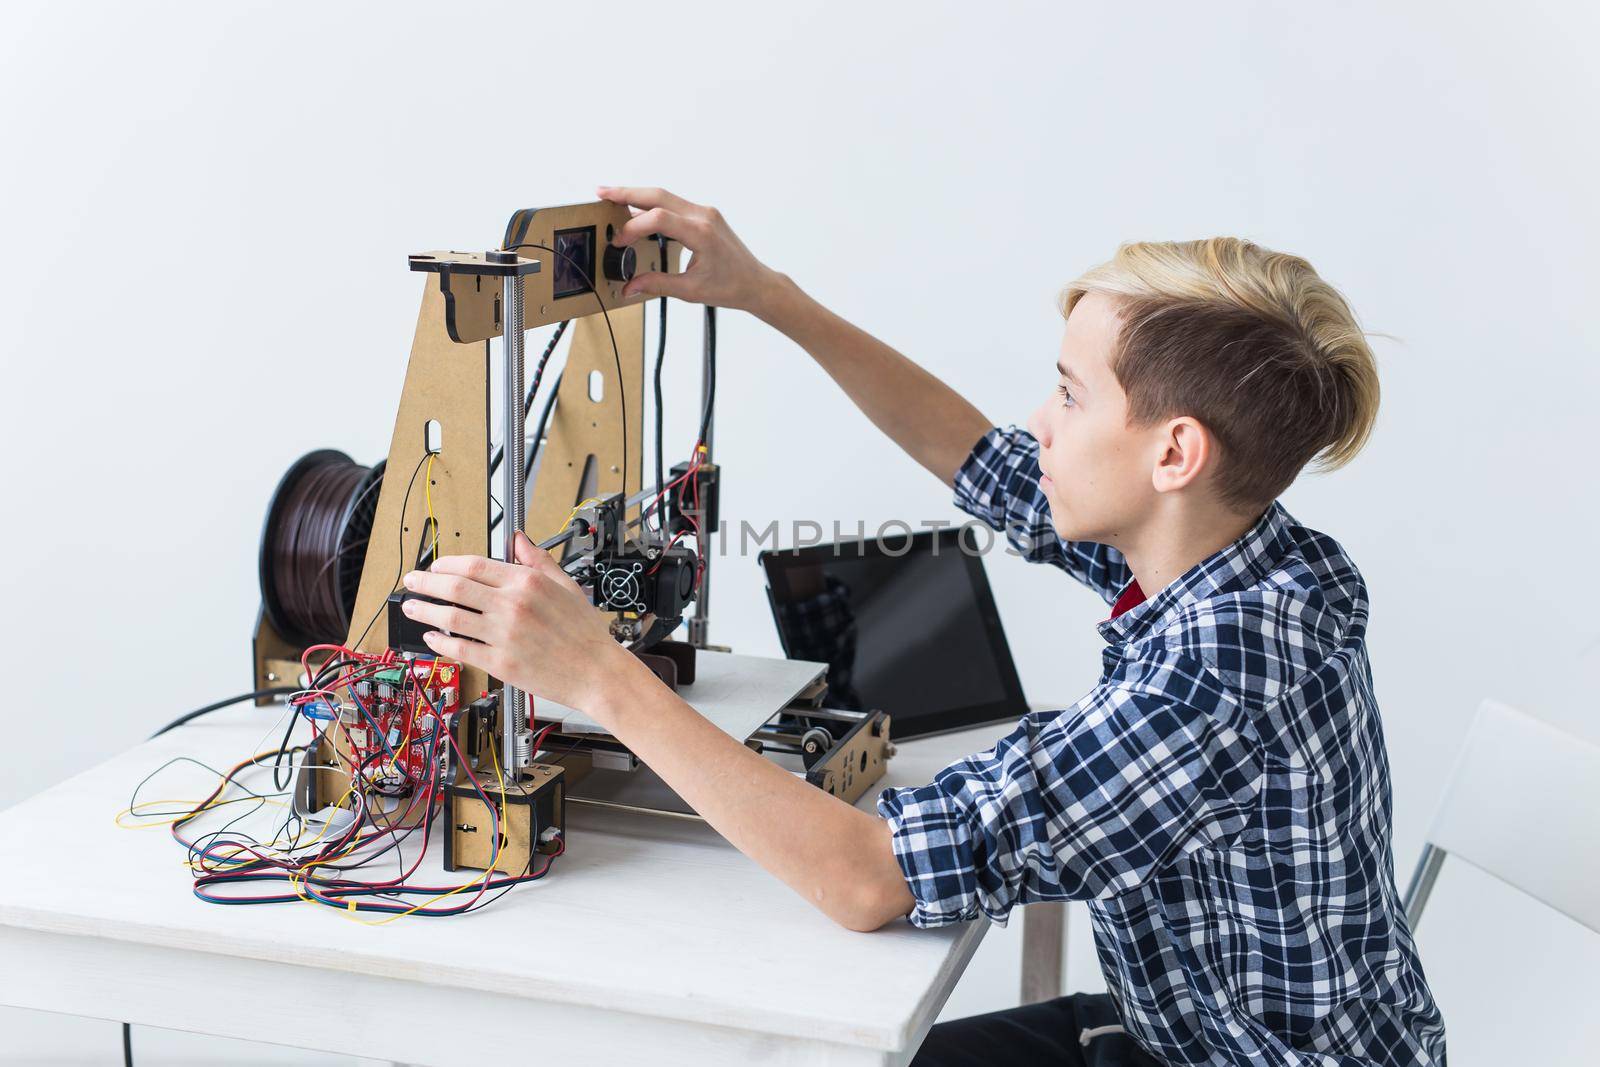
(998,481)
(835,856)
(934,424)
(533,627)
(1084,803)
(921,414)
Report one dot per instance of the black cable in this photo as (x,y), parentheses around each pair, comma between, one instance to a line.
(711,375)
(127,1045)
(435,782)
(215,837)
(401,570)
(661,358)
(279,782)
(275,690)
(133,798)
(332,663)
(205,842)
(533,389)
(338,892)
(659,502)
(544,421)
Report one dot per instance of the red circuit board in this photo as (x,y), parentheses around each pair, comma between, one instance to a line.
(394,757)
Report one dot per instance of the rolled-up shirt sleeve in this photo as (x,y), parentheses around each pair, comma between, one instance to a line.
(999,486)
(1083,803)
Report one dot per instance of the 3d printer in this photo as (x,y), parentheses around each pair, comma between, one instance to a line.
(402,739)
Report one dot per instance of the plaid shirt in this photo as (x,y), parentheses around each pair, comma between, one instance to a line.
(1220,798)
(822,627)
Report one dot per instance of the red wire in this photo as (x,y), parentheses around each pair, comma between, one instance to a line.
(699,540)
(354,838)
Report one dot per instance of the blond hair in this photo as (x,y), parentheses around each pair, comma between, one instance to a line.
(1252,343)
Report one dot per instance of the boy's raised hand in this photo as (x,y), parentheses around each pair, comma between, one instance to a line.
(721,272)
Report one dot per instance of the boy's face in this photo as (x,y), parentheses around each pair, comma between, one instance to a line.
(1096,470)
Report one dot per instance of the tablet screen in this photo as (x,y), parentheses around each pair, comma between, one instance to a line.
(907,625)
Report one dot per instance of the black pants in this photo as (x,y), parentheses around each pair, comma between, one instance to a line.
(1047,1033)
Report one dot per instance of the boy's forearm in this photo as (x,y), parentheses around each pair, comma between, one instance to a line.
(836,856)
(935,425)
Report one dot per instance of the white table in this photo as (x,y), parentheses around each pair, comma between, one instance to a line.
(651,937)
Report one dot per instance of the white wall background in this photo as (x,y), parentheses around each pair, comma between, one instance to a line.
(175,176)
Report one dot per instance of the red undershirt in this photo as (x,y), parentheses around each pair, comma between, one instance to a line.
(1131,597)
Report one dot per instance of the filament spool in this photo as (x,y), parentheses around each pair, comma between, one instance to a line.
(313,546)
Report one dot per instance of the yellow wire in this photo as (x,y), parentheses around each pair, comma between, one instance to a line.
(355,776)
(301,874)
(215,801)
(241,849)
(494,857)
(427,492)
(574,512)
(349,790)
(131,812)
(298,879)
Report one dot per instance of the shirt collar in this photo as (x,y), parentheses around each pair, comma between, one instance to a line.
(1241,564)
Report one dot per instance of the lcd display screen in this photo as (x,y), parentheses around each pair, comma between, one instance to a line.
(574,261)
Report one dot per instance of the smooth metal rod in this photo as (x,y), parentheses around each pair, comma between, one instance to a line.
(514,512)
(640,497)
(572,528)
(559,539)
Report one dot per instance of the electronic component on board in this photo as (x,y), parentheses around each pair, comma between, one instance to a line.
(405,633)
(692,503)
(399,740)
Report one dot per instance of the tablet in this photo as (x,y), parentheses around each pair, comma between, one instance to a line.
(907,625)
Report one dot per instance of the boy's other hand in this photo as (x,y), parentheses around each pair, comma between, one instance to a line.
(528,623)
(721,270)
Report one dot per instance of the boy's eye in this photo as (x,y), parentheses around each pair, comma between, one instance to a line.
(1066,396)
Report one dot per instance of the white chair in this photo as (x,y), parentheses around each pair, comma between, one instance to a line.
(1523,804)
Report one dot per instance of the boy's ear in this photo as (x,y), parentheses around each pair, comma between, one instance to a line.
(1187,450)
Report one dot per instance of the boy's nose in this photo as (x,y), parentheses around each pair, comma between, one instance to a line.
(1037,425)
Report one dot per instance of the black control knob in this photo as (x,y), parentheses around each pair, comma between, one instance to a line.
(619,263)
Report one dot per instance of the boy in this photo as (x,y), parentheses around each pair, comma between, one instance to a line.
(1220,798)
